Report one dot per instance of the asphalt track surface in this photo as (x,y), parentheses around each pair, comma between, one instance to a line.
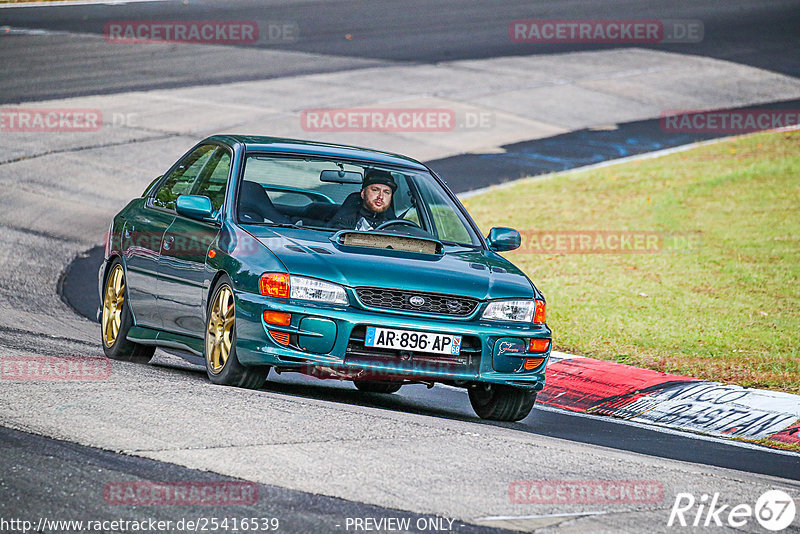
(567,151)
(746,32)
(77,475)
(749,32)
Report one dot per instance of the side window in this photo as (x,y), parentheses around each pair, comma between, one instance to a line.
(214,178)
(449,225)
(180,180)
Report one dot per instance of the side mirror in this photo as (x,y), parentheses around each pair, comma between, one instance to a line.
(502,239)
(195,207)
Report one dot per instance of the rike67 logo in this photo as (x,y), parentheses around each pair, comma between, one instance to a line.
(774,510)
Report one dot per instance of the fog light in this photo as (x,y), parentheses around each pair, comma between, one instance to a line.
(538,344)
(280,337)
(532,363)
(278,318)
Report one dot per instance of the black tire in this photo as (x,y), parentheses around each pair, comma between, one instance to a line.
(116,320)
(229,372)
(376,386)
(501,403)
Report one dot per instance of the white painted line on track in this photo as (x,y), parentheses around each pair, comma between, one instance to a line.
(76,3)
(11,30)
(512,517)
(557,356)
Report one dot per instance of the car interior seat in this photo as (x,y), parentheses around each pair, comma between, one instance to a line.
(256,206)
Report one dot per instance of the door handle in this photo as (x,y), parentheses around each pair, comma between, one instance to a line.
(168,242)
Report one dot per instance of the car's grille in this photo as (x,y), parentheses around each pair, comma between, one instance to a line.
(468,361)
(418,301)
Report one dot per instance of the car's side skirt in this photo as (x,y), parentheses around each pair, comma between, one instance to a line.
(149,336)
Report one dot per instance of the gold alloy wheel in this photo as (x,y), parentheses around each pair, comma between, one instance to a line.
(220,330)
(113,302)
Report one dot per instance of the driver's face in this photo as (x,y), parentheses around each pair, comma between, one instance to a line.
(377,197)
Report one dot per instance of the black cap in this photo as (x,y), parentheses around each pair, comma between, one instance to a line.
(374,176)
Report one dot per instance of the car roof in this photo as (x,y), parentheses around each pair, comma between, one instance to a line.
(257,143)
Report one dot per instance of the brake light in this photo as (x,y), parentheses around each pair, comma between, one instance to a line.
(275,285)
(539,314)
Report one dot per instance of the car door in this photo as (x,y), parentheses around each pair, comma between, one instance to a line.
(141,244)
(143,235)
(182,264)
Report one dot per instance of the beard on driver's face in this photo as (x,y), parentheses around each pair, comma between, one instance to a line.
(372,206)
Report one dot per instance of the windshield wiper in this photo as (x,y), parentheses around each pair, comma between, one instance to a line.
(300,226)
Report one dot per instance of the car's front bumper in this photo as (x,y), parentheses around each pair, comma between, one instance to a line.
(330,338)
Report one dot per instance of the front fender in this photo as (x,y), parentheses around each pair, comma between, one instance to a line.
(242,257)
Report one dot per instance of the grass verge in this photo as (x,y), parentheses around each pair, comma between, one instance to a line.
(715,295)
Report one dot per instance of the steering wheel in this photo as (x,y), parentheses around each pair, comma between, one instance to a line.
(404,222)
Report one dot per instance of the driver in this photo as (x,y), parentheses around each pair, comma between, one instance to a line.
(375,206)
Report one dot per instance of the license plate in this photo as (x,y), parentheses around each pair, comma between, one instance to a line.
(391,338)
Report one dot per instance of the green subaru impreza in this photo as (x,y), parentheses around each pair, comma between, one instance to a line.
(255,253)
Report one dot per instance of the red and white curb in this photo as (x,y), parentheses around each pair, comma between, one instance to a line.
(586,385)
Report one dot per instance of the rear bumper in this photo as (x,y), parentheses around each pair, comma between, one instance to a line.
(330,338)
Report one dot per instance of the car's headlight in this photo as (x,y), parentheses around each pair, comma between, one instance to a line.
(319,290)
(298,287)
(518,311)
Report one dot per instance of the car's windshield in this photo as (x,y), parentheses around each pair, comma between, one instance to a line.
(337,194)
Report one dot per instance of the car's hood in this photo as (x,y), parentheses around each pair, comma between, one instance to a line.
(475,273)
